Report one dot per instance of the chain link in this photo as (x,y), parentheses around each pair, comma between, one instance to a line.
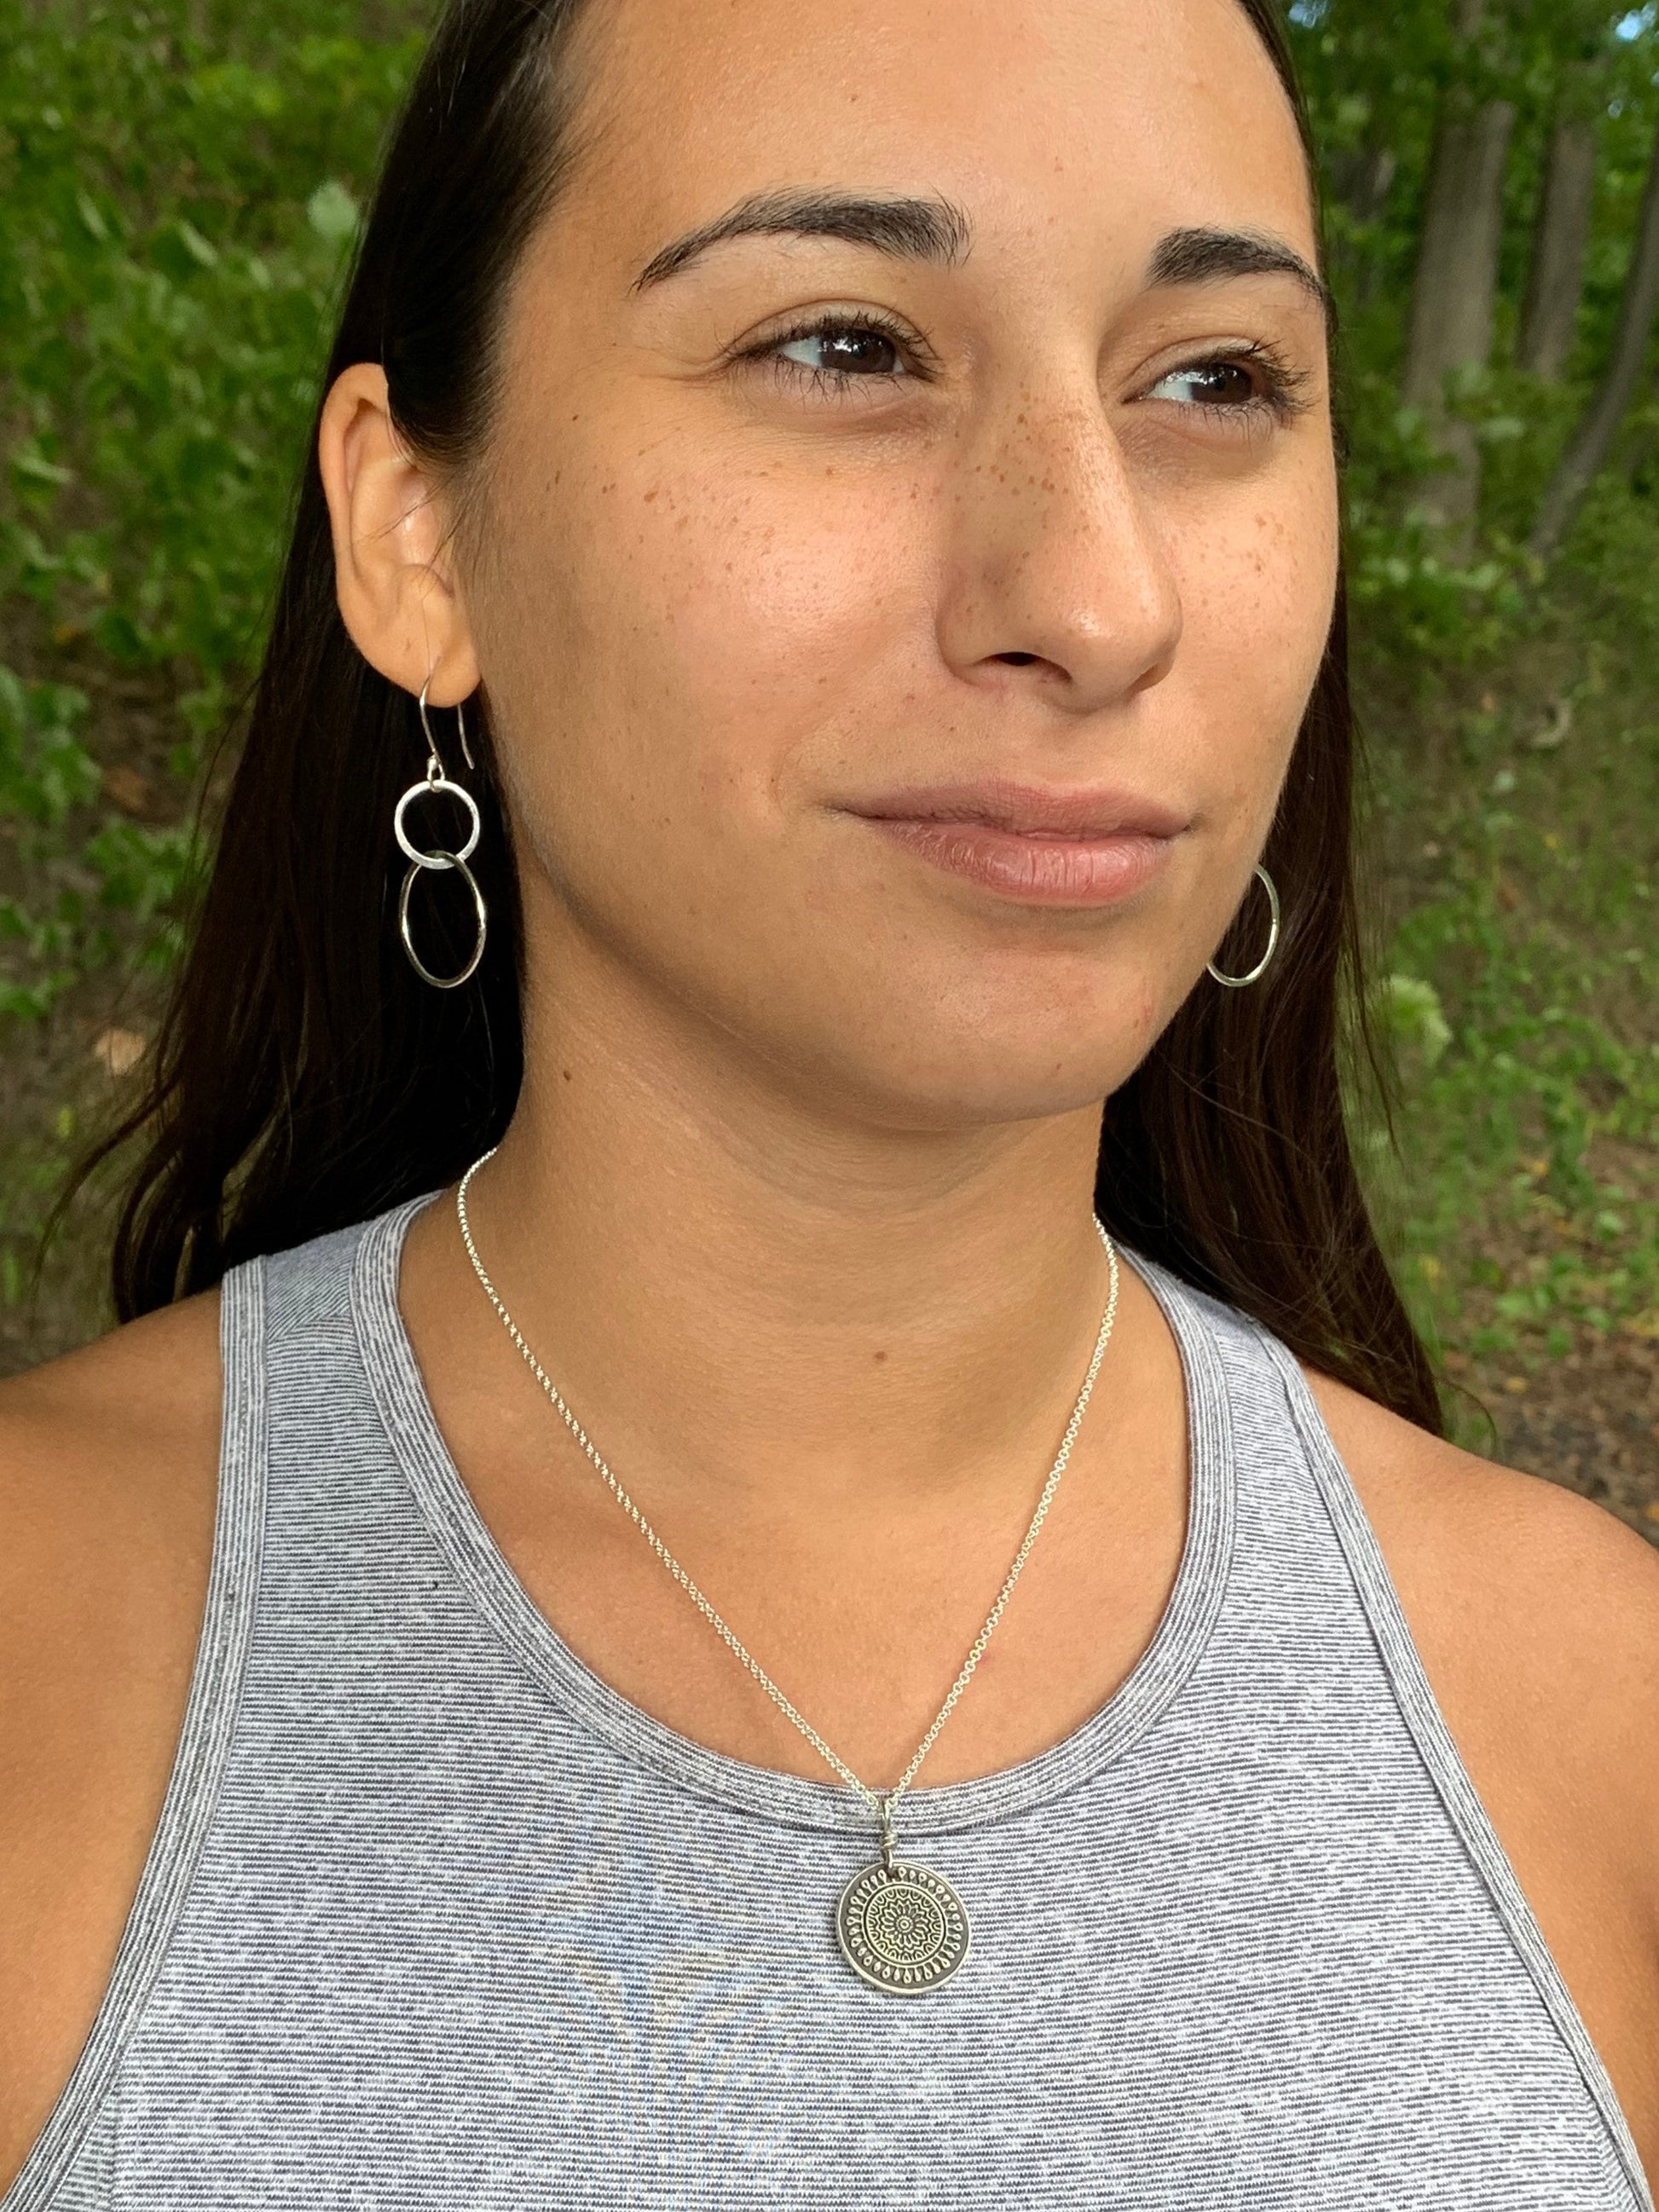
(881,1802)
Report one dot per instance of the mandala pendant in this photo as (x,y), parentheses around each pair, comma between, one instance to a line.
(902,1926)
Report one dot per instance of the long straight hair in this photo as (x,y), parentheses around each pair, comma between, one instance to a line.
(304,1078)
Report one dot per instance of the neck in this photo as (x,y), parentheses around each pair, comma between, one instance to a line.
(742,1290)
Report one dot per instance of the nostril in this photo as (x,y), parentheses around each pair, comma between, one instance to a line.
(1019,660)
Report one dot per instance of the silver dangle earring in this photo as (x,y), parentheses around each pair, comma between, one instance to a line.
(435,781)
(1237,982)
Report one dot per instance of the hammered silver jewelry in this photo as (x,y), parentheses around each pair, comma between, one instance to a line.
(1237,982)
(900,1926)
(434,782)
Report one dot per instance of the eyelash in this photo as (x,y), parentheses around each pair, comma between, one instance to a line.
(1277,396)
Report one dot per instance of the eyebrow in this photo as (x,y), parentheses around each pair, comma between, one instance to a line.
(931,230)
(939,233)
(1203,257)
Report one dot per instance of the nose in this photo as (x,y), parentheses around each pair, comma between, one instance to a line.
(1054,563)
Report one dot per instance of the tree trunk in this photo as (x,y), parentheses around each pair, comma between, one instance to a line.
(1456,289)
(1593,441)
(1556,281)
(1455,285)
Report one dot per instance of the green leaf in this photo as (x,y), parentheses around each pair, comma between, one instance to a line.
(332,213)
(1412,1009)
(179,250)
(28,462)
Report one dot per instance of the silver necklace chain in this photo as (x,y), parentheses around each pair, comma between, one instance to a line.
(883,1804)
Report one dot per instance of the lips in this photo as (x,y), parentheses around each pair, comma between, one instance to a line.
(1030,843)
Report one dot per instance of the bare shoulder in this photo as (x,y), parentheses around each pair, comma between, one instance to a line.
(99,1444)
(1535,1610)
(108,1480)
(108,1466)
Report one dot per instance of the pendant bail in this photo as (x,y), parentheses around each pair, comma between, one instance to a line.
(888,1840)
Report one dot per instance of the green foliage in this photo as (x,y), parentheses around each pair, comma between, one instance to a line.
(1376,80)
(44,771)
(179,207)
(1533,1092)
(1512,712)
(176,224)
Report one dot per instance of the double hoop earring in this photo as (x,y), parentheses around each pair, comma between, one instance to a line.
(1237,982)
(433,783)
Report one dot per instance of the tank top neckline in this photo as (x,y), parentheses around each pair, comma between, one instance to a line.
(493,1587)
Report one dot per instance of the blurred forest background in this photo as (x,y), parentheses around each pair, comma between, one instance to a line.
(179,187)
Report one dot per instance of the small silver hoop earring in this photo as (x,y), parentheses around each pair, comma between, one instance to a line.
(435,781)
(1237,982)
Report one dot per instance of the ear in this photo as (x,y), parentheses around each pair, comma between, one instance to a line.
(393,573)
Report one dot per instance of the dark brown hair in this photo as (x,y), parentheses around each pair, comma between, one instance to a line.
(304,1078)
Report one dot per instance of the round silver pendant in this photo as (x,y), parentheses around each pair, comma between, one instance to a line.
(903,1927)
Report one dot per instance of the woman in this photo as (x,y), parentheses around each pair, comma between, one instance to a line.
(848,501)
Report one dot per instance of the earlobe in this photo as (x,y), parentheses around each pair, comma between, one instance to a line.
(393,573)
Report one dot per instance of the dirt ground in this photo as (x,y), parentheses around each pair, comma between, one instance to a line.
(1588,1417)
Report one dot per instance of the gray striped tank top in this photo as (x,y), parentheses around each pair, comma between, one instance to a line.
(433,1918)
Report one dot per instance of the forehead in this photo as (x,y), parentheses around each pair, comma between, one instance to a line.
(1065,126)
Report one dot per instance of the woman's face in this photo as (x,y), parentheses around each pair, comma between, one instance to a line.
(794,637)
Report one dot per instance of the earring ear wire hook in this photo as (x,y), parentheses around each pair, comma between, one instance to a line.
(434,771)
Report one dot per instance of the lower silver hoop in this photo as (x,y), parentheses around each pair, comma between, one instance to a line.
(1237,982)
(431,785)
(421,862)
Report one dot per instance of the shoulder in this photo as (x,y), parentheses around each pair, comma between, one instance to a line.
(1535,1610)
(108,1474)
(103,1434)
(1455,1511)
(108,1467)
(108,1481)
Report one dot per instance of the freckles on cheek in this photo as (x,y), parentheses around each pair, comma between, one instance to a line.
(1257,603)
(774,582)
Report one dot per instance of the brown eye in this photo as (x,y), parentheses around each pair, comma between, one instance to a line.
(1226,384)
(845,349)
(834,352)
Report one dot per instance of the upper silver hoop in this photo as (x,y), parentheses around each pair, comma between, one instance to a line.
(1237,982)
(447,860)
(435,860)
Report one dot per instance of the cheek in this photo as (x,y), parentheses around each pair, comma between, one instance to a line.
(713,622)
(1258,584)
